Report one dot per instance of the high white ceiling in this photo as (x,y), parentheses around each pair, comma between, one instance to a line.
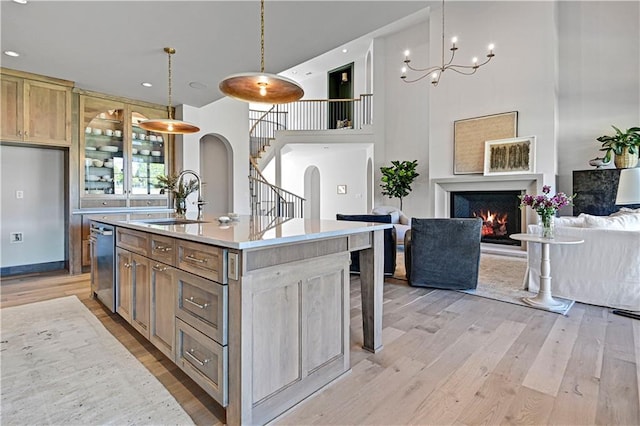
(113,46)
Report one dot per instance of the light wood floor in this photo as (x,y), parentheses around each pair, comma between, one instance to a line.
(449,358)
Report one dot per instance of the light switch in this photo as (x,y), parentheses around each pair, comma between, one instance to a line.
(19,194)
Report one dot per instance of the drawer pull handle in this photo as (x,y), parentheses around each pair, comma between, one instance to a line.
(191,352)
(195,259)
(193,302)
(159,268)
(163,249)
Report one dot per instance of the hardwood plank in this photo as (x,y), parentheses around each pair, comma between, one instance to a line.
(578,394)
(549,367)
(529,407)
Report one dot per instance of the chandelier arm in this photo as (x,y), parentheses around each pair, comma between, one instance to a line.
(417,79)
(450,66)
(453,54)
(427,70)
(463,72)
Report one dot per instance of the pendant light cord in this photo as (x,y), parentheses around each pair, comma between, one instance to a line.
(262,36)
(442,50)
(169,52)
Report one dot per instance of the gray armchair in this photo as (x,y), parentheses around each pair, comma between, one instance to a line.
(443,253)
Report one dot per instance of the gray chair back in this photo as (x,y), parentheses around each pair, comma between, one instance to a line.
(443,253)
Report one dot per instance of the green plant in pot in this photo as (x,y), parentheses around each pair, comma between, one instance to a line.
(397,179)
(180,190)
(625,145)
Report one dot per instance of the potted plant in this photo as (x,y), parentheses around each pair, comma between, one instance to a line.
(179,189)
(625,145)
(397,179)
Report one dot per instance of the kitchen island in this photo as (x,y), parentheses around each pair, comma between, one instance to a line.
(256,310)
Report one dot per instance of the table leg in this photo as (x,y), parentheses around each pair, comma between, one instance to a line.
(371,285)
(544,299)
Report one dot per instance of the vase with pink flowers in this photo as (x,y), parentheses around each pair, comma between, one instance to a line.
(546,206)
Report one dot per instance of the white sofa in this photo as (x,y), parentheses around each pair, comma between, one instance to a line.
(604,270)
(400,221)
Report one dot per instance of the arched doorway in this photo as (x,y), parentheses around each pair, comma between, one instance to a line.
(368,83)
(216,171)
(312,193)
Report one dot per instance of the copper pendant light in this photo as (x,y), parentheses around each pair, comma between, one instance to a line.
(169,125)
(261,87)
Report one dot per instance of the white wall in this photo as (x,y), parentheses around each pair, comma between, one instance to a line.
(599,63)
(228,118)
(521,77)
(39,215)
(405,110)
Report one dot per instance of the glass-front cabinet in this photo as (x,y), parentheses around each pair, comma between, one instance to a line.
(120,162)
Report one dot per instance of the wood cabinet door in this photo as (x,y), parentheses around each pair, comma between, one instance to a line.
(47,113)
(124,283)
(11,113)
(141,295)
(163,301)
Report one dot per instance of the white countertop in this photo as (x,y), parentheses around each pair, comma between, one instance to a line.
(246,232)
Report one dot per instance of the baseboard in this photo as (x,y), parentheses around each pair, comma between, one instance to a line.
(37,268)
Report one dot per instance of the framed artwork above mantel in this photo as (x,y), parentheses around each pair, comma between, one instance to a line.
(470,135)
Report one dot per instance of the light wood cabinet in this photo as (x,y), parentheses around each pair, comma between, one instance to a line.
(204,360)
(140,294)
(124,283)
(163,301)
(36,111)
(119,161)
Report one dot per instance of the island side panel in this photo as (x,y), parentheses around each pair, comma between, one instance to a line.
(372,287)
(288,327)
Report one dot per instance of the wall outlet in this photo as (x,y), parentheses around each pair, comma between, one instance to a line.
(17,237)
(19,194)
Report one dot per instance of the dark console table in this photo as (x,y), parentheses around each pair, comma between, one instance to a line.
(596,192)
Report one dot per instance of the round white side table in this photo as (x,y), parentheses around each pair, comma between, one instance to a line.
(543,299)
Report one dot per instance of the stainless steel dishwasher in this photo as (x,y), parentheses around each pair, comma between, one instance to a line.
(103,283)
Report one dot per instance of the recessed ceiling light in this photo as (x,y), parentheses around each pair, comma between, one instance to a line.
(308,73)
(344,50)
(20,1)
(294,72)
(197,85)
(146,84)
(11,53)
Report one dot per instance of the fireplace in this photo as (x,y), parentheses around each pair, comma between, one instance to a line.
(499,211)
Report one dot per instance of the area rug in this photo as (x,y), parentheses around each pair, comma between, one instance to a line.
(500,278)
(61,366)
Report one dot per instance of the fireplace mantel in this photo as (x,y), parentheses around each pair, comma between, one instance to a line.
(441,188)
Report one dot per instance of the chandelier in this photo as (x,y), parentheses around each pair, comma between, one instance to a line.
(169,125)
(436,71)
(261,87)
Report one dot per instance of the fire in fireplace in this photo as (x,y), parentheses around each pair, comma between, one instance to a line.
(499,211)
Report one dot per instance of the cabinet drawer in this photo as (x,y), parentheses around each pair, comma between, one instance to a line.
(137,242)
(203,304)
(159,202)
(204,360)
(200,259)
(96,204)
(163,249)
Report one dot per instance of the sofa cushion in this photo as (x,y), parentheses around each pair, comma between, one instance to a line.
(625,210)
(625,222)
(572,221)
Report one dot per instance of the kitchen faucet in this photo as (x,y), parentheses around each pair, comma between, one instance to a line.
(200,202)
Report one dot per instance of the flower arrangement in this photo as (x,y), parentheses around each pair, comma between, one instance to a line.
(179,188)
(546,207)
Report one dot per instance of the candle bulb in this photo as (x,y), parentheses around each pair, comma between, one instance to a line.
(406,56)
(491,46)
(454,40)
(404,72)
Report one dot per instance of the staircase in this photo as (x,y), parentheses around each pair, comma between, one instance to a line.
(311,114)
(266,198)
